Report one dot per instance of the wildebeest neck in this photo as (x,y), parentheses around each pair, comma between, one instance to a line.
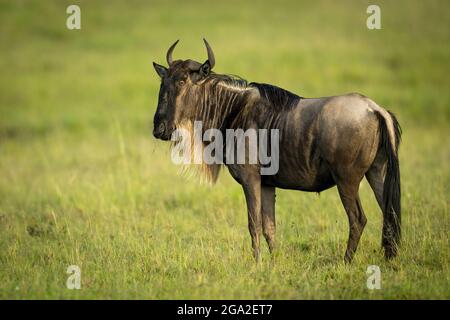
(221,99)
(224,101)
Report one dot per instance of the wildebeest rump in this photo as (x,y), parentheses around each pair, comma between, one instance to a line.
(324,142)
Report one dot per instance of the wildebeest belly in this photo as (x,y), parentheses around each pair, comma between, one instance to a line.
(313,177)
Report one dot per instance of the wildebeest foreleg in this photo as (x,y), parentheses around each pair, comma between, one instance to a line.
(252,192)
(268,215)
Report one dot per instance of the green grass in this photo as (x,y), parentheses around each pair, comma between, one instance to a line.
(83,181)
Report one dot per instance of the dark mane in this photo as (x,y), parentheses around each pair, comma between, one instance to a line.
(279,98)
(221,101)
(230,79)
(222,98)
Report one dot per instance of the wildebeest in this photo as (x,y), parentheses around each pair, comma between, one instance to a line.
(323,142)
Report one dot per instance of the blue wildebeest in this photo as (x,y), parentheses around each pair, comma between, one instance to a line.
(323,142)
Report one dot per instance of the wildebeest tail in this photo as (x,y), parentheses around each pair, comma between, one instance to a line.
(390,136)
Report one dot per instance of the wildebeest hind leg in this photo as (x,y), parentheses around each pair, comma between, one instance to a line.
(375,178)
(356,218)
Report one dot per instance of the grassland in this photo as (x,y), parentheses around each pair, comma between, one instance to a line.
(84,183)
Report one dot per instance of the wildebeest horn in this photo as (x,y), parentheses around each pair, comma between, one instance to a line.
(169,53)
(211,59)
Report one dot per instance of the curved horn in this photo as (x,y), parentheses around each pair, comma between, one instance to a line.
(169,53)
(211,59)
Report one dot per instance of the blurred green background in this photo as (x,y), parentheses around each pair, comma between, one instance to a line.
(84,183)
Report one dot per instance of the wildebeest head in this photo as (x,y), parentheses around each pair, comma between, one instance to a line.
(177,83)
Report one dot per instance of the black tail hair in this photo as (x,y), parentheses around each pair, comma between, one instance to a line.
(391,188)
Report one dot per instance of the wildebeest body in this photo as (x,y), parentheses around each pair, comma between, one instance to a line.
(323,142)
(308,153)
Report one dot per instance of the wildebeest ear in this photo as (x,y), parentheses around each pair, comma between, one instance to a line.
(160,70)
(205,69)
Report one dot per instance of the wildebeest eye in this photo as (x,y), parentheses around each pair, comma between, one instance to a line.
(181,82)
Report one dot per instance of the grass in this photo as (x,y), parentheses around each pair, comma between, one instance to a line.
(84,183)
